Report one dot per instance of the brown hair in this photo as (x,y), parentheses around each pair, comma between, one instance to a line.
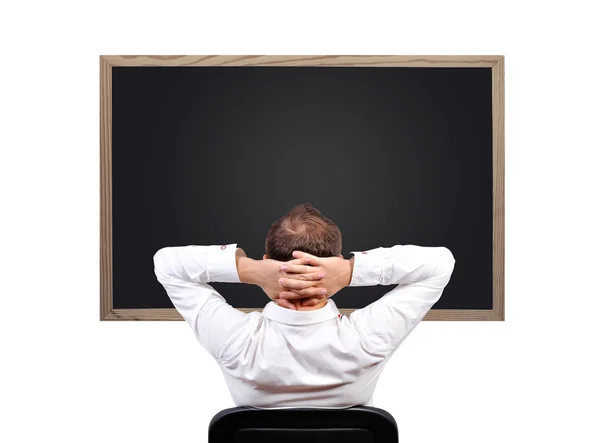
(305,229)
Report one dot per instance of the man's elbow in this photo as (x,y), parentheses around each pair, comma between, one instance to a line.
(159,256)
(446,255)
(446,261)
(160,261)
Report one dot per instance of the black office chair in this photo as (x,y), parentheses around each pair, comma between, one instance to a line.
(359,424)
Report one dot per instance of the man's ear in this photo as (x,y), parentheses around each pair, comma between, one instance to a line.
(265,257)
(340,256)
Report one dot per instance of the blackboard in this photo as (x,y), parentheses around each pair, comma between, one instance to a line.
(214,154)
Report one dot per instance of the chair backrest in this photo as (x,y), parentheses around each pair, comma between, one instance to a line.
(359,424)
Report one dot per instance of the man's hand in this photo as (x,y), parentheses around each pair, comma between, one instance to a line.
(337,274)
(267,274)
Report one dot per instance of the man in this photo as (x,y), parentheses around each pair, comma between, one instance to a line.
(300,351)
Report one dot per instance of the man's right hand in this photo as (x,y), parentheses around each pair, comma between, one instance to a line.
(337,271)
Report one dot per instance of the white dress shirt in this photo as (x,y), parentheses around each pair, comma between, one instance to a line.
(286,358)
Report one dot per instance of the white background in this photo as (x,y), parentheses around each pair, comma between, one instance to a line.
(68,377)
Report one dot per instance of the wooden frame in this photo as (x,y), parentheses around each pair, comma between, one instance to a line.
(495,63)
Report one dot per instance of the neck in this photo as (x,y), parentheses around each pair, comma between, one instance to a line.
(299,307)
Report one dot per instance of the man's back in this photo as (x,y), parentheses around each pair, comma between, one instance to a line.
(319,358)
(285,358)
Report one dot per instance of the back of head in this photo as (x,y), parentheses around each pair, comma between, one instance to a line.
(305,229)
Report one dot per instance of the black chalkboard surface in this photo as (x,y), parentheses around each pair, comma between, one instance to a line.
(213,155)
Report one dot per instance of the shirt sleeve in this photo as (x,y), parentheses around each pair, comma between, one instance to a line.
(185,272)
(420,273)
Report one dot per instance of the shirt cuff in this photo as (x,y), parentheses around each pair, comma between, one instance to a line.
(221,264)
(368,267)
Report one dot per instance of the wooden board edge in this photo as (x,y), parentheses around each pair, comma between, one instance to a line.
(105,188)
(462,315)
(171,314)
(152,314)
(479,61)
(498,165)
(437,314)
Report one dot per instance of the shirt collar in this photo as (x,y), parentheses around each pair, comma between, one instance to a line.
(288,316)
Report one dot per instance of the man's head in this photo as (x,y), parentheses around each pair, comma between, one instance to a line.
(305,229)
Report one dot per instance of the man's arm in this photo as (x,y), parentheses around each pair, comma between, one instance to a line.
(421,274)
(185,272)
